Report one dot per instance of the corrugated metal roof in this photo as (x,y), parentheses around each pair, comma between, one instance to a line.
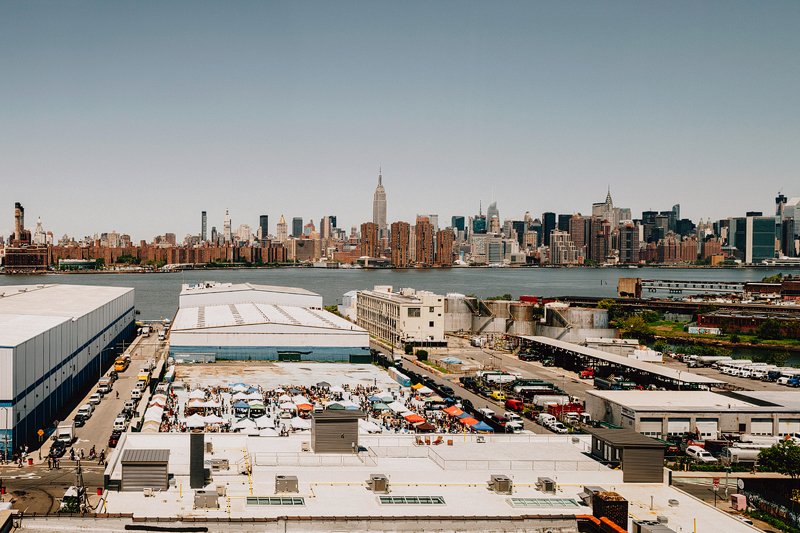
(624,437)
(339,414)
(665,372)
(145,456)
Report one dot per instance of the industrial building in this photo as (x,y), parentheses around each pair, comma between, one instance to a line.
(55,341)
(404,317)
(392,482)
(664,414)
(259,322)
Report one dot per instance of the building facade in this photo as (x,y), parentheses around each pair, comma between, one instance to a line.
(404,317)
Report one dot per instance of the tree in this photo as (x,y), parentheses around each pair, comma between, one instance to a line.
(777,278)
(422,355)
(783,457)
(634,327)
(769,329)
(505,296)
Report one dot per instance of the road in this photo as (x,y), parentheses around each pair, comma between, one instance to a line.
(477,401)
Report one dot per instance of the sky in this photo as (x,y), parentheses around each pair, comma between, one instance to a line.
(136,116)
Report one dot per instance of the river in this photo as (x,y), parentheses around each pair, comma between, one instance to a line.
(157,294)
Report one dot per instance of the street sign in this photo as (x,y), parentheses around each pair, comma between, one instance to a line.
(40,432)
(716,483)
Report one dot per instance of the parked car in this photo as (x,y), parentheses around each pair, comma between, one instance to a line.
(80,421)
(558,427)
(86,410)
(114,438)
(95,398)
(447,390)
(498,395)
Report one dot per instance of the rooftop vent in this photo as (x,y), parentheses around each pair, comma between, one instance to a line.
(285,484)
(501,484)
(206,499)
(378,483)
(547,485)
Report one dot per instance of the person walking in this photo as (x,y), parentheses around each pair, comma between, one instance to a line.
(49,463)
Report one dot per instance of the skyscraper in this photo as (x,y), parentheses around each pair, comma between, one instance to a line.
(424,241)
(548,225)
(563,222)
(457,222)
(379,207)
(263,224)
(203,226)
(280,229)
(399,244)
(444,247)
(370,239)
(226,227)
(297,227)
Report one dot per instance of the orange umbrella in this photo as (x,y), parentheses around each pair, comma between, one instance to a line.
(414,418)
(453,411)
(468,421)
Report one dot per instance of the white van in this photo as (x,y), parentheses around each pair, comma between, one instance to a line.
(86,410)
(700,455)
(136,394)
(545,419)
(120,424)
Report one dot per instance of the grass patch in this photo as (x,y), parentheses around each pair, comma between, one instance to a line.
(435,366)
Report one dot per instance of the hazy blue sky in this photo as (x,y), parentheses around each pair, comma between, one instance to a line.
(136,116)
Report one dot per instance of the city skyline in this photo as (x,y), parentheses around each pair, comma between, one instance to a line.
(536,106)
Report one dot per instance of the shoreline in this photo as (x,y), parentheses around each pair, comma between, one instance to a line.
(309,267)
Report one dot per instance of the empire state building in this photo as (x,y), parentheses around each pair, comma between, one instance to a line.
(379,207)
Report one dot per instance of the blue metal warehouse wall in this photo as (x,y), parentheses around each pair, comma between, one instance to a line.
(62,399)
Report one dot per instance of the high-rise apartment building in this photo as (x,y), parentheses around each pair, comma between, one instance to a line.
(203,226)
(444,247)
(297,227)
(562,249)
(379,207)
(578,231)
(628,243)
(370,239)
(399,244)
(424,237)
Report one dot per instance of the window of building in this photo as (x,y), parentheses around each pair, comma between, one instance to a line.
(411,500)
(430,324)
(430,309)
(274,500)
(414,311)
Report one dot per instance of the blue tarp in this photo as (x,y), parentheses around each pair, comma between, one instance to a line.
(374,399)
(482,426)
(241,405)
(464,415)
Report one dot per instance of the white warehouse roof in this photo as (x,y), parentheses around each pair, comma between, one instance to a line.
(242,316)
(29,310)
(214,293)
(56,300)
(702,401)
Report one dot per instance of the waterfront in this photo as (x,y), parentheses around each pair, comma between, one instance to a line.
(157,294)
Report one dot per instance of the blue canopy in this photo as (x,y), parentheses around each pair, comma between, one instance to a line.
(463,415)
(482,426)
(241,405)
(374,399)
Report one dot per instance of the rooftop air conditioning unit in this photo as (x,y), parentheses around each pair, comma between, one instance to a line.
(147,492)
(286,484)
(378,483)
(650,526)
(589,492)
(545,484)
(206,499)
(501,484)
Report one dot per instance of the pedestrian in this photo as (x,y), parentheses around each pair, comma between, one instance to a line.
(117,395)
(49,463)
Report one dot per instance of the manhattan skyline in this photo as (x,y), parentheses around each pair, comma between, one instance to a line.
(164,110)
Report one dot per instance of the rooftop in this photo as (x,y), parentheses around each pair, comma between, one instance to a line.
(625,437)
(702,401)
(209,287)
(29,310)
(249,314)
(56,300)
(643,366)
(431,482)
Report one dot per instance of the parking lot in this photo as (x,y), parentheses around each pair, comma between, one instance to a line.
(97,429)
